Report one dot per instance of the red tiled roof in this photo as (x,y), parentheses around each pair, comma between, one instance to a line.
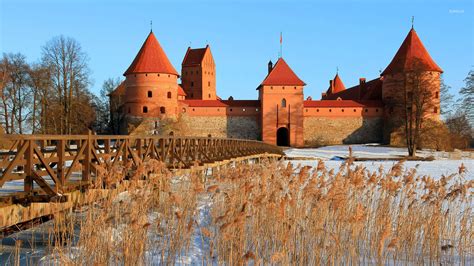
(120,90)
(221,103)
(194,56)
(411,55)
(181,91)
(370,91)
(151,59)
(341,103)
(282,74)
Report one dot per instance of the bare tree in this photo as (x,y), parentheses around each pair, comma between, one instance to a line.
(446,100)
(69,75)
(467,97)
(106,121)
(16,94)
(416,102)
(40,83)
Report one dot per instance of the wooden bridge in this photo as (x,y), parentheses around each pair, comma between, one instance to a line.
(61,164)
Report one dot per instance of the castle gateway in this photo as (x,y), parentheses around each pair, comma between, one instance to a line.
(152,101)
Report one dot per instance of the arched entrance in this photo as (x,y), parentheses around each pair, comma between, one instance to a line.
(283,137)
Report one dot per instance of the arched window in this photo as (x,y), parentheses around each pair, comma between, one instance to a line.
(162,110)
(209,95)
(145,109)
(169,95)
(283,102)
(150,94)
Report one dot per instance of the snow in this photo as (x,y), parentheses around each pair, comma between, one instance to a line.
(331,156)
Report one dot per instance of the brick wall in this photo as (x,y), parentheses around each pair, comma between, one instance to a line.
(342,130)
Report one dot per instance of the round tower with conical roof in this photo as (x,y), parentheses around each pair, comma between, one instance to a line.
(411,73)
(151,85)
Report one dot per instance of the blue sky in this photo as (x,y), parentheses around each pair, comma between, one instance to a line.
(358,37)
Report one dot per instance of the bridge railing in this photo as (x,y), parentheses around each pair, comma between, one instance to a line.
(52,161)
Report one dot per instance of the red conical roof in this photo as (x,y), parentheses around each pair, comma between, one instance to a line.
(338,86)
(410,56)
(151,59)
(282,74)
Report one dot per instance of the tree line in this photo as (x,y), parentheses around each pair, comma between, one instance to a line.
(52,96)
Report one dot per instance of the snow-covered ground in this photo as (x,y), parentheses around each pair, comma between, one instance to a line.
(332,157)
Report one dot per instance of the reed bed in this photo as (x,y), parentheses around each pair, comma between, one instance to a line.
(272,213)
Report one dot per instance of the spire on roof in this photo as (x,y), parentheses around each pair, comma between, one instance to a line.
(412,55)
(336,85)
(151,25)
(151,59)
(281,74)
(412,21)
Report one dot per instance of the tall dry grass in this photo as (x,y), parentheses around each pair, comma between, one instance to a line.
(272,212)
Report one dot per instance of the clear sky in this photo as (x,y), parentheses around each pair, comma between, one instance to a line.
(358,37)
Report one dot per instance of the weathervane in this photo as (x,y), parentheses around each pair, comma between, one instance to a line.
(412,21)
(151,25)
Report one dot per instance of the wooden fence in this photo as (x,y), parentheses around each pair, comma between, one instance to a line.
(50,161)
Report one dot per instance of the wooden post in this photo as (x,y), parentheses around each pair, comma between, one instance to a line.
(28,182)
(86,161)
(60,149)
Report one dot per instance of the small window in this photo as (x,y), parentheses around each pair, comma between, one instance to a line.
(150,94)
(354,110)
(145,109)
(192,84)
(162,110)
(158,75)
(283,87)
(271,87)
(330,110)
(306,110)
(366,110)
(169,76)
(435,110)
(231,109)
(129,110)
(218,109)
(283,102)
(295,87)
(146,75)
(437,95)
(209,95)
(209,83)
(342,110)
(376,110)
(169,95)
(317,110)
(243,109)
(194,109)
(192,95)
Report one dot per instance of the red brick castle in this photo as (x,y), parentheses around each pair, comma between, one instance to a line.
(151,94)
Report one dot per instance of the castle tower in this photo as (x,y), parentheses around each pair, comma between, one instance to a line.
(198,74)
(335,85)
(281,98)
(411,66)
(151,88)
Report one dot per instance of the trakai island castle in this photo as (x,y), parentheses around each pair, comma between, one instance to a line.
(156,99)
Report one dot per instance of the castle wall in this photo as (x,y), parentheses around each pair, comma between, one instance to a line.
(325,130)
(241,127)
